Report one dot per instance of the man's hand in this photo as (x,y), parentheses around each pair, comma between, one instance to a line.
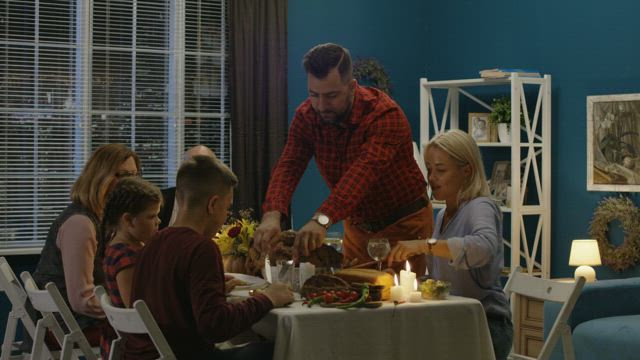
(406,249)
(268,231)
(280,294)
(308,238)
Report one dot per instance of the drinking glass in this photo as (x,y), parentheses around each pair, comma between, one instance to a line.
(288,274)
(378,249)
(334,239)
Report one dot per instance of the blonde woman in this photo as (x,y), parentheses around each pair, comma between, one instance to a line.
(466,246)
(69,258)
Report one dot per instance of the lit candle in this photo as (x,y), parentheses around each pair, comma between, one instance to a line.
(397,291)
(415,296)
(407,277)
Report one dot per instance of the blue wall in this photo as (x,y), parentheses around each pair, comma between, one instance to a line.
(589,48)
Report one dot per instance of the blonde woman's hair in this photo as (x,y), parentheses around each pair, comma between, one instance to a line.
(463,149)
(90,189)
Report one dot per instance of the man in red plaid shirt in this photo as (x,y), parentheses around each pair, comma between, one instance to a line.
(362,144)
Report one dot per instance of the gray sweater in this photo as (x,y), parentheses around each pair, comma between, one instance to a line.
(474,236)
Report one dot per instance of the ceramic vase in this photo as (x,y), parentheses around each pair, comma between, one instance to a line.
(504,133)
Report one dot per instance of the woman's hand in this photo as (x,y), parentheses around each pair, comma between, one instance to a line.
(406,249)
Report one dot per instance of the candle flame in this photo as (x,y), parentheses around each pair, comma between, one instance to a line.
(395,279)
(415,284)
(407,266)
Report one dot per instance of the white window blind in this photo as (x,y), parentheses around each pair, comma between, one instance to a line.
(76,74)
(130,89)
(207,102)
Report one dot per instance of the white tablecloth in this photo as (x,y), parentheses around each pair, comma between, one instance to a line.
(455,328)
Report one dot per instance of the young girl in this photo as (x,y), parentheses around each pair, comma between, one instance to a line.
(130,219)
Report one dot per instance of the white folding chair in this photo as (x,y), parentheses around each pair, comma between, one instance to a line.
(17,296)
(136,320)
(49,302)
(548,290)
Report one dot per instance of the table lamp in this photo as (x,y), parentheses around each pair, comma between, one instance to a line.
(584,254)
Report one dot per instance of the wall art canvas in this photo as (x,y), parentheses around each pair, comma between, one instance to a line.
(613,142)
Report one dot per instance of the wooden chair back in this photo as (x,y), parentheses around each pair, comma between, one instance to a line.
(136,320)
(17,296)
(563,292)
(50,302)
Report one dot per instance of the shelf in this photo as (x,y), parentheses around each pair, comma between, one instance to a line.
(530,149)
(446,84)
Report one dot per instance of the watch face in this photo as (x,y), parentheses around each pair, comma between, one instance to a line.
(323,219)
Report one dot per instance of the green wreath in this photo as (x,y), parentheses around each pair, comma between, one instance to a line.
(622,209)
(370,72)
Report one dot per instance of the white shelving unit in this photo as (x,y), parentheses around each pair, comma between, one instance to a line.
(530,147)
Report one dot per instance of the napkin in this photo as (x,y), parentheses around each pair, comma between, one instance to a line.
(307,270)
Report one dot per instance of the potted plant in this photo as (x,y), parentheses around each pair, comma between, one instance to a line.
(501,115)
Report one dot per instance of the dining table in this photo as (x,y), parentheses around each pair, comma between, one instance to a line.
(453,328)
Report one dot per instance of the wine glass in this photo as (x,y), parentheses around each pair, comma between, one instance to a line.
(378,248)
(334,239)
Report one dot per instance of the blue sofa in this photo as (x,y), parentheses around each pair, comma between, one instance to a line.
(605,322)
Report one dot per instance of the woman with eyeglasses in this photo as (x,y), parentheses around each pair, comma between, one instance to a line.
(69,257)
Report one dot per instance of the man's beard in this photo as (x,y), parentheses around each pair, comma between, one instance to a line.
(338,118)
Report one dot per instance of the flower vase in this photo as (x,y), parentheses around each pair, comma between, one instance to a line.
(504,133)
(234,264)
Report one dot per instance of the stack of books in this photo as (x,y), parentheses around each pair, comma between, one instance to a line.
(500,73)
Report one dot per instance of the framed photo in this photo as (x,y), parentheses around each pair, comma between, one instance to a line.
(479,127)
(613,142)
(501,181)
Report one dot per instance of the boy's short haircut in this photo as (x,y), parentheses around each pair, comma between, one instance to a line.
(201,177)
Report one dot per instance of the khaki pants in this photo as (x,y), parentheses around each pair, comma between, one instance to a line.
(418,225)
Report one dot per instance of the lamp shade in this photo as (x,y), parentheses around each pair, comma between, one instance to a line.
(584,252)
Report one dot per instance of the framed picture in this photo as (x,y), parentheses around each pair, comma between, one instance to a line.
(479,127)
(613,142)
(501,181)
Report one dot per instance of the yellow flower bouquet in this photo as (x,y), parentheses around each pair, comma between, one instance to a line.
(236,235)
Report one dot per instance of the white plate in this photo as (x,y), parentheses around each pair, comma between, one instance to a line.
(253,282)
(240,295)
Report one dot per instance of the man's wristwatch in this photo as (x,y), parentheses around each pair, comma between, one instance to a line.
(322,219)
(430,243)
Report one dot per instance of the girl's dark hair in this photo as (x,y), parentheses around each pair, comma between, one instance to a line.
(130,195)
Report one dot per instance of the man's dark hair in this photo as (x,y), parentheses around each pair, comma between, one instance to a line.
(322,58)
(201,177)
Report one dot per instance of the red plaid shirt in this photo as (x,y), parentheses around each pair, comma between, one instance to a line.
(117,257)
(367,163)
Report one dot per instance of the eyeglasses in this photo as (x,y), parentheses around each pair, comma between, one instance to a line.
(124,173)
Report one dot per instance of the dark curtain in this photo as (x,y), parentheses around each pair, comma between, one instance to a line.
(258,84)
